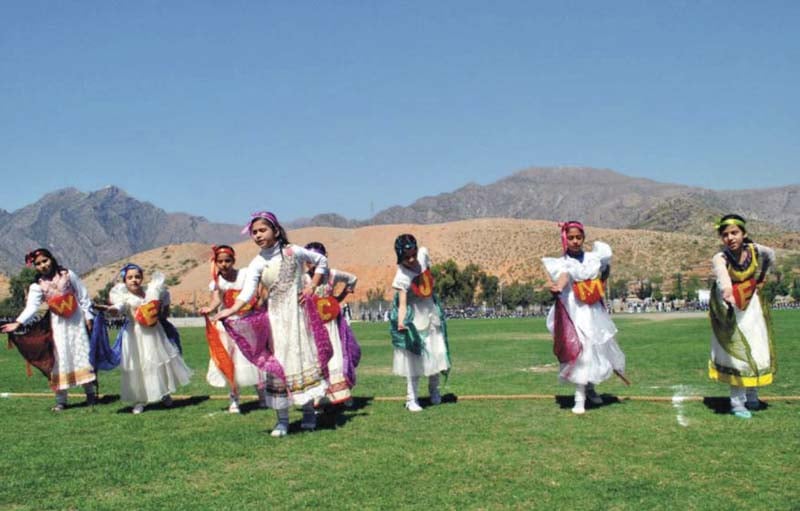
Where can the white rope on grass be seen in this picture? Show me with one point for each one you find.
(473, 397)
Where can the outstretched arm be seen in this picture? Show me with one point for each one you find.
(216, 301)
(560, 283)
(402, 306)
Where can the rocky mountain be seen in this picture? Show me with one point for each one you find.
(604, 198)
(86, 230)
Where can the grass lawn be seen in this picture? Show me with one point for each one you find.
(491, 453)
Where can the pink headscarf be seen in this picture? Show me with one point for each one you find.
(566, 226)
(264, 215)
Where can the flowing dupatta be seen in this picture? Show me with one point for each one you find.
(351, 351)
(253, 335)
(321, 338)
(36, 346)
(102, 356)
(172, 334)
(567, 346)
(220, 356)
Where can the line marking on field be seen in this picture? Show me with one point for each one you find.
(682, 392)
(677, 398)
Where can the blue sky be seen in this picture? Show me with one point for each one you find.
(222, 108)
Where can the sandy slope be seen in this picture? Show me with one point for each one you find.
(508, 248)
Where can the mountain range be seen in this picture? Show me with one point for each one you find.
(598, 197)
(88, 230)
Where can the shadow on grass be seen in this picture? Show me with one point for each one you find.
(722, 405)
(447, 399)
(106, 399)
(567, 402)
(337, 416)
(176, 403)
(245, 408)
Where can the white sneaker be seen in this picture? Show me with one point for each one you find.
(281, 429)
(436, 398)
(234, 407)
(579, 409)
(413, 406)
(137, 409)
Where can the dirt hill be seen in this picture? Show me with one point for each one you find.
(510, 249)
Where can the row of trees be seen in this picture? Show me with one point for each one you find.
(468, 286)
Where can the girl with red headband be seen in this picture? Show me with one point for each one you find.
(346, 351)
(742, 351)
(583, 333)
(228, 366)
(417, 324)
(67, 363)
(152, 367)
(299, 343)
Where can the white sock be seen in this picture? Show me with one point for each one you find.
(411, 391)
(738, 398)
(580, 394)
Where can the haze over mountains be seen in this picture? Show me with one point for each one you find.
(87, 230)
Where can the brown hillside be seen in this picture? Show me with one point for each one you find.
(508, 248)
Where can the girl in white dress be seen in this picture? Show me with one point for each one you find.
(583, 333)
(417, 323)
(742, 351)
(152, 367)
(228, 366)
(299, 341)
(346, 352)
(70, 323)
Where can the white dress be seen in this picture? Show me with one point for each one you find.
(245, 373)
(742, 352)
(294, 347)
(434, 357)
(600, 354)
(151, 366)
(71, 340)
(338, 390)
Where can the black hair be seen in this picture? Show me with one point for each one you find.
(402, 243)
(31, 256)
(733, 216)
(318, 247)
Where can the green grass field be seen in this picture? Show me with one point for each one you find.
(490, 453)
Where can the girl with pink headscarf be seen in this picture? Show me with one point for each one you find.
(583, 333)
(298, 345)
